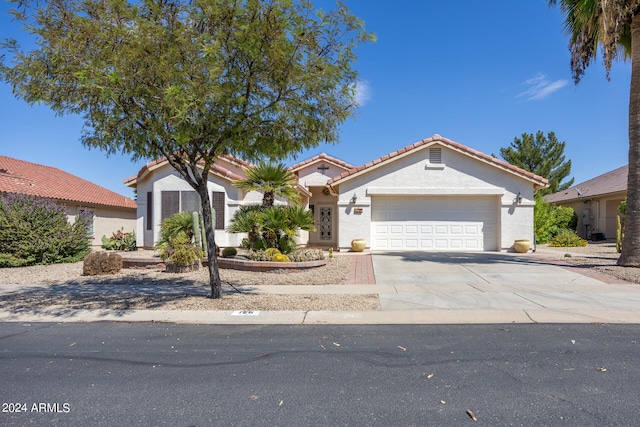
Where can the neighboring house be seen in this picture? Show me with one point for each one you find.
(111, 211)
(596, 202)
(435, 195)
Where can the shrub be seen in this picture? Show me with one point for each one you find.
(272, 252)
(180, 251)
(548, 219)
(175, 225)
(34, 230)
(566, 237)
(280, 258)
(260, 256)
(302, 255)
(229, 252)
(271, 227)
(98, 263)
(120, 241)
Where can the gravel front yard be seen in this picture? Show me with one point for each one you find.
(335, 272)
(600, 256)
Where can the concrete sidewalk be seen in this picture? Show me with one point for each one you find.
(413, 288)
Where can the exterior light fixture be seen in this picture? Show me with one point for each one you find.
(354, 198)
(518, 198)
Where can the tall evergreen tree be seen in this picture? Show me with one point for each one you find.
(543, 156)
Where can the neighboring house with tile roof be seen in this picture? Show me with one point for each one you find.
(111, 211)
(596, 202)
(436, 194)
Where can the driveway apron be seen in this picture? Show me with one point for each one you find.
(492, 281)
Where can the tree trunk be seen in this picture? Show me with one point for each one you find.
(268, 199)
(212, 259)
(630, 256)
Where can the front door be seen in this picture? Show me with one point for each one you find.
(324, 218)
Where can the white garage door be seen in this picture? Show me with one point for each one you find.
(438, 223)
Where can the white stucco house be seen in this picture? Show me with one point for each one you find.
(434, 195)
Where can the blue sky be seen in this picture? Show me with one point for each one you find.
(479, 73)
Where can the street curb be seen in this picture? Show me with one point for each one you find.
(415, 317)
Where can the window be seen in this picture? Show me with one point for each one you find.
(189, 201)
(170, 204)
(89, 213)
(178, 201)
(218, 204)
(181, 201)
(149, 210)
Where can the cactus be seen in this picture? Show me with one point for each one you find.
(619, 235)
(195, 224)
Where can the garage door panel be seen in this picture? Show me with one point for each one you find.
(434, 223)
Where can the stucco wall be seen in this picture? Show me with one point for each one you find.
(105, 220)
(458, 174)
(167, 179)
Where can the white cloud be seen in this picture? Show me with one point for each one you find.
(363, 92)
(539, 87)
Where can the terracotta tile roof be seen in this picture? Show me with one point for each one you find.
(538, 180)
(18, 176)
(608, 183)
(215, 168)
(321, 156)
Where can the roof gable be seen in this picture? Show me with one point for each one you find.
(611, 182)
(537, 180)
(18, 176)
(320, 158)
(232, 163)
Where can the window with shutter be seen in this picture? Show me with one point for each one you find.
(218, 204)
(189, 201)
(170, 204)
(149, 210)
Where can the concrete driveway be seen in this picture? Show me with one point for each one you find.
(496, 282)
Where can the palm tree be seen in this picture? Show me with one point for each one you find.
(271, 179)
(614, 26)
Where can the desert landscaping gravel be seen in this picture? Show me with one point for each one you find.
(335, 272)
(599, 256)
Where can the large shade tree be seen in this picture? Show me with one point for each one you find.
(191, 80)
(613, 28)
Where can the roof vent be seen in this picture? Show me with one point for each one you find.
(5, 171)
(435, 155)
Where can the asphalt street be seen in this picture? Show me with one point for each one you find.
(115, 374)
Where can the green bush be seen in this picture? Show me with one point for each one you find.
(302, 255)
(271, 227)
(229, 252)
(566, 238)
(272, 251)
(260, 255)
(34, 230)
(120, 241)
(548, 220)
(180, 251)
(280, 258)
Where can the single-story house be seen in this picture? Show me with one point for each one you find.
(111, 211)
(435, 195)
(596, 202)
